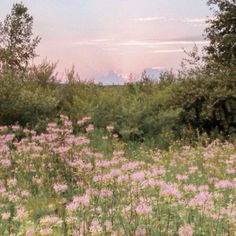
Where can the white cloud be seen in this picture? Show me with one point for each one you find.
(195, 20)
(168, 51)
(117, 46)
(157, 68)
(98, 41)
(198, 21)
(153, 44)
(144, 19)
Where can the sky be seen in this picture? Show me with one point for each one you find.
(115, 37)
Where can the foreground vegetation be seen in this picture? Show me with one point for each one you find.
(57, 183)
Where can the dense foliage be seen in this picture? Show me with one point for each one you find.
(222, 33)
(17, 47)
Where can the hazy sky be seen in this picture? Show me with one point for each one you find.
(123, 36)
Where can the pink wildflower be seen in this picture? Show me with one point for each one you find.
(186, 230)
(140, 231)
(108, 225)
(89, 128)
(60, 187)
(6, 215)
(46, 231)
(95, 227)
(143, 209)
(138, 176)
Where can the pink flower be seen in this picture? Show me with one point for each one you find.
(140, 232)
(108, 225)
(143, 209)
(201, 199)
(181, 177)
(30, 231)
(209, 154)
(106, 193)
(72, 206)
(186, 230)
(89, 128)
(60, 187)
(50, 220)
(6, 215)
(95, 227)
(190, 187)
(5, 162)
(21, 213)
(115, 172)
(84, 200)
(11, 182)
(138, 176)
(222, 184)
(46, 231)
(170, 190)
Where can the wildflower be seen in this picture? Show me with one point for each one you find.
(95, 227)
(186, 230)
(6, 215)
(46, 231)
(143, 209)
(108, 225)
(11, 182)
(60, 187)
(190, 187)
(209, 154)
(181, 177)
(223, 184)
(72, 206)
(30, 231)
(140, 231)
(21, 214)
(84, 200)
(89, 128)
(50, 220)
(201, 199)
(138, 176)
(5, 162)
(110, 128)
(170, 190)
(115, 172)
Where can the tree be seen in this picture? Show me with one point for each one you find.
(221, 33)
(17, 47)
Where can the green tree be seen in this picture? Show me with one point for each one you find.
(17, 45)
(221, 33)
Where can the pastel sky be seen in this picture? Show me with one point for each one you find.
(123, 36)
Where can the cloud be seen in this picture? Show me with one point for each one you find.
(195, 20)
(168, 51)
(98, 41)
(121, 47)
(198, 21)
(146, 19)
(153, 44)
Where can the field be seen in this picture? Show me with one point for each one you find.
(92, 183)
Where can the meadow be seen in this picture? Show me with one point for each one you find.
(93, 183)
(152, 157)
